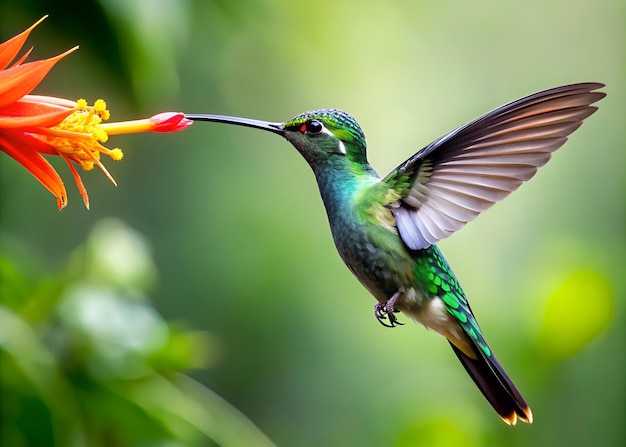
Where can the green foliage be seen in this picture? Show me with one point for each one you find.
(571, 321)
(88, 360)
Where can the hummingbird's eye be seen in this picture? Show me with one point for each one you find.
(314, 127)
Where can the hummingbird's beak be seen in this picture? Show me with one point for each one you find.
(263, 125)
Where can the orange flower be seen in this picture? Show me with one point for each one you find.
(31, 125)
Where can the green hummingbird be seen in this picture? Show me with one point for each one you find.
(385, 230)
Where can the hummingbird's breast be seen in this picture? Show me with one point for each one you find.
(378, 260)
(373, 252)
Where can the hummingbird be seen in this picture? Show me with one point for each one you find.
(386, 230)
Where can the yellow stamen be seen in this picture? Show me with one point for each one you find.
(100, 107)
(81, 134)
(117, 154)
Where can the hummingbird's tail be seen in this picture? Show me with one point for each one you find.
(496, 386)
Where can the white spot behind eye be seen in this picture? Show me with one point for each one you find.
(341, 146)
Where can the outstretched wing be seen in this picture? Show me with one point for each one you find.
(460, 175)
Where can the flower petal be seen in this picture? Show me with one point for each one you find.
(51, 100)
(79, 182)
(16, 82)
(10, 48)
(37, 166)
(32, 140)
(26, 113)
(22, 58)
(170, 122)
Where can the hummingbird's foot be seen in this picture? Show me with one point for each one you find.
(382, 311)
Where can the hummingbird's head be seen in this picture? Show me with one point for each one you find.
(324, 134)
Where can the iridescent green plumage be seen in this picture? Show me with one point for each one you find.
(386, 230)
(435, 275)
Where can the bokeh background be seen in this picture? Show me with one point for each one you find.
(202, 302)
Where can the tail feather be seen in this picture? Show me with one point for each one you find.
(496, 386)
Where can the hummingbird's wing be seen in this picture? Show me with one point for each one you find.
(458, 176)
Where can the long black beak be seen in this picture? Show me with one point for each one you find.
(256, 124)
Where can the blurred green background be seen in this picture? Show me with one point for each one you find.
(209, 275)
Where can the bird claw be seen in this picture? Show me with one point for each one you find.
(382, 311)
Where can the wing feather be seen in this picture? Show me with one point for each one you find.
(466, 171)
